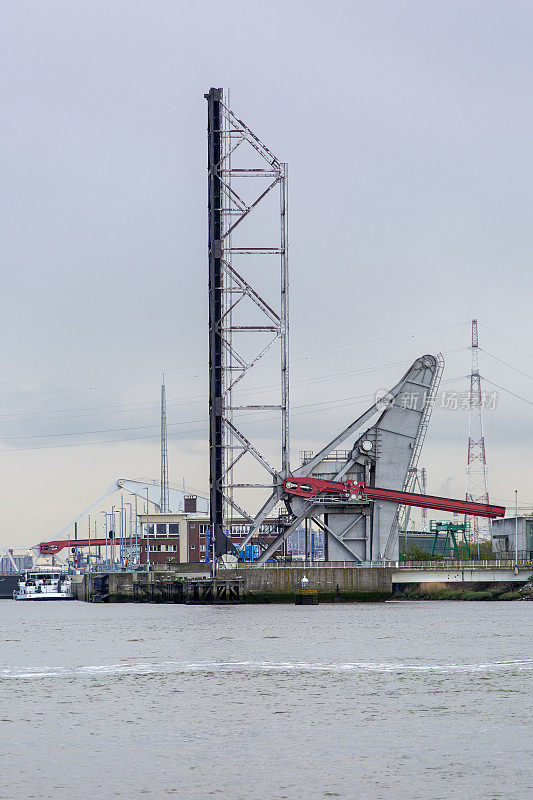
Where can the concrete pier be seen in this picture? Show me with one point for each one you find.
(157, 587)
(331, 583)
(248, 585)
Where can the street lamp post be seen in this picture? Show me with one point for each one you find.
(137, 553)
(147, 535)
(129, 537)
(121, 530)
(105, 535)
(379, 532)
(516, 524)
(89, 521)
(113, 537)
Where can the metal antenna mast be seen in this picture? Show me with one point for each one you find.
(423, 489)
(248, 312)
(164, 450)
(476, 465)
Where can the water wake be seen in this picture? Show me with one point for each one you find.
(185, 668)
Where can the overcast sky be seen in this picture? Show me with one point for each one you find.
(407, 129)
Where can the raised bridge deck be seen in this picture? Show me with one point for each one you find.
(462, 572)
(466, 570)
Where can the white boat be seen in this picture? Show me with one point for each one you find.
(39, 584)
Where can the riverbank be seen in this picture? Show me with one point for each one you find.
(477, 591)
(284, 584)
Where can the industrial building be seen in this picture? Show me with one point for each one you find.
(167, 539)
(11, 564)
(184, 538)
(504, 534)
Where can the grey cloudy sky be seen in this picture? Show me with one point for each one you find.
(407, 129)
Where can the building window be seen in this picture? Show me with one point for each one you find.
(202, 548)
(174, 529)
(155, 548)
(161, 529)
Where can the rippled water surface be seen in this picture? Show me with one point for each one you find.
(395, 701)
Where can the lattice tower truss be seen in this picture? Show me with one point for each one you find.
(476, 464)
(248, 315)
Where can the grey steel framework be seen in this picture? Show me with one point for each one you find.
(164, 451)
(244, 325)
(412, 473)
(384, 454)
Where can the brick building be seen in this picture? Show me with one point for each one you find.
(184, 537)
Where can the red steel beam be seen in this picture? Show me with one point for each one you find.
(50, 548)
(356, 490)
(439, 503)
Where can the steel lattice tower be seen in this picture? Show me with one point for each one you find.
(476, 465)
(248, 311)
(164, 451)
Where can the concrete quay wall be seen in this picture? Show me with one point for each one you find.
(264, 584)
(260, 585)
(282, 584)
(117, 587)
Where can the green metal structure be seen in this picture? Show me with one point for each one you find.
(453, 531)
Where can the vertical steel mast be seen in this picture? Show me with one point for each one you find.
(476, 464)
(248, 314)
(164, 451)
(214, 133)
(423, 489)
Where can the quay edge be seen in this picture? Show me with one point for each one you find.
(276, 585)
(280, 584)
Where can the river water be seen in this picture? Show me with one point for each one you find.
(392, 701)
